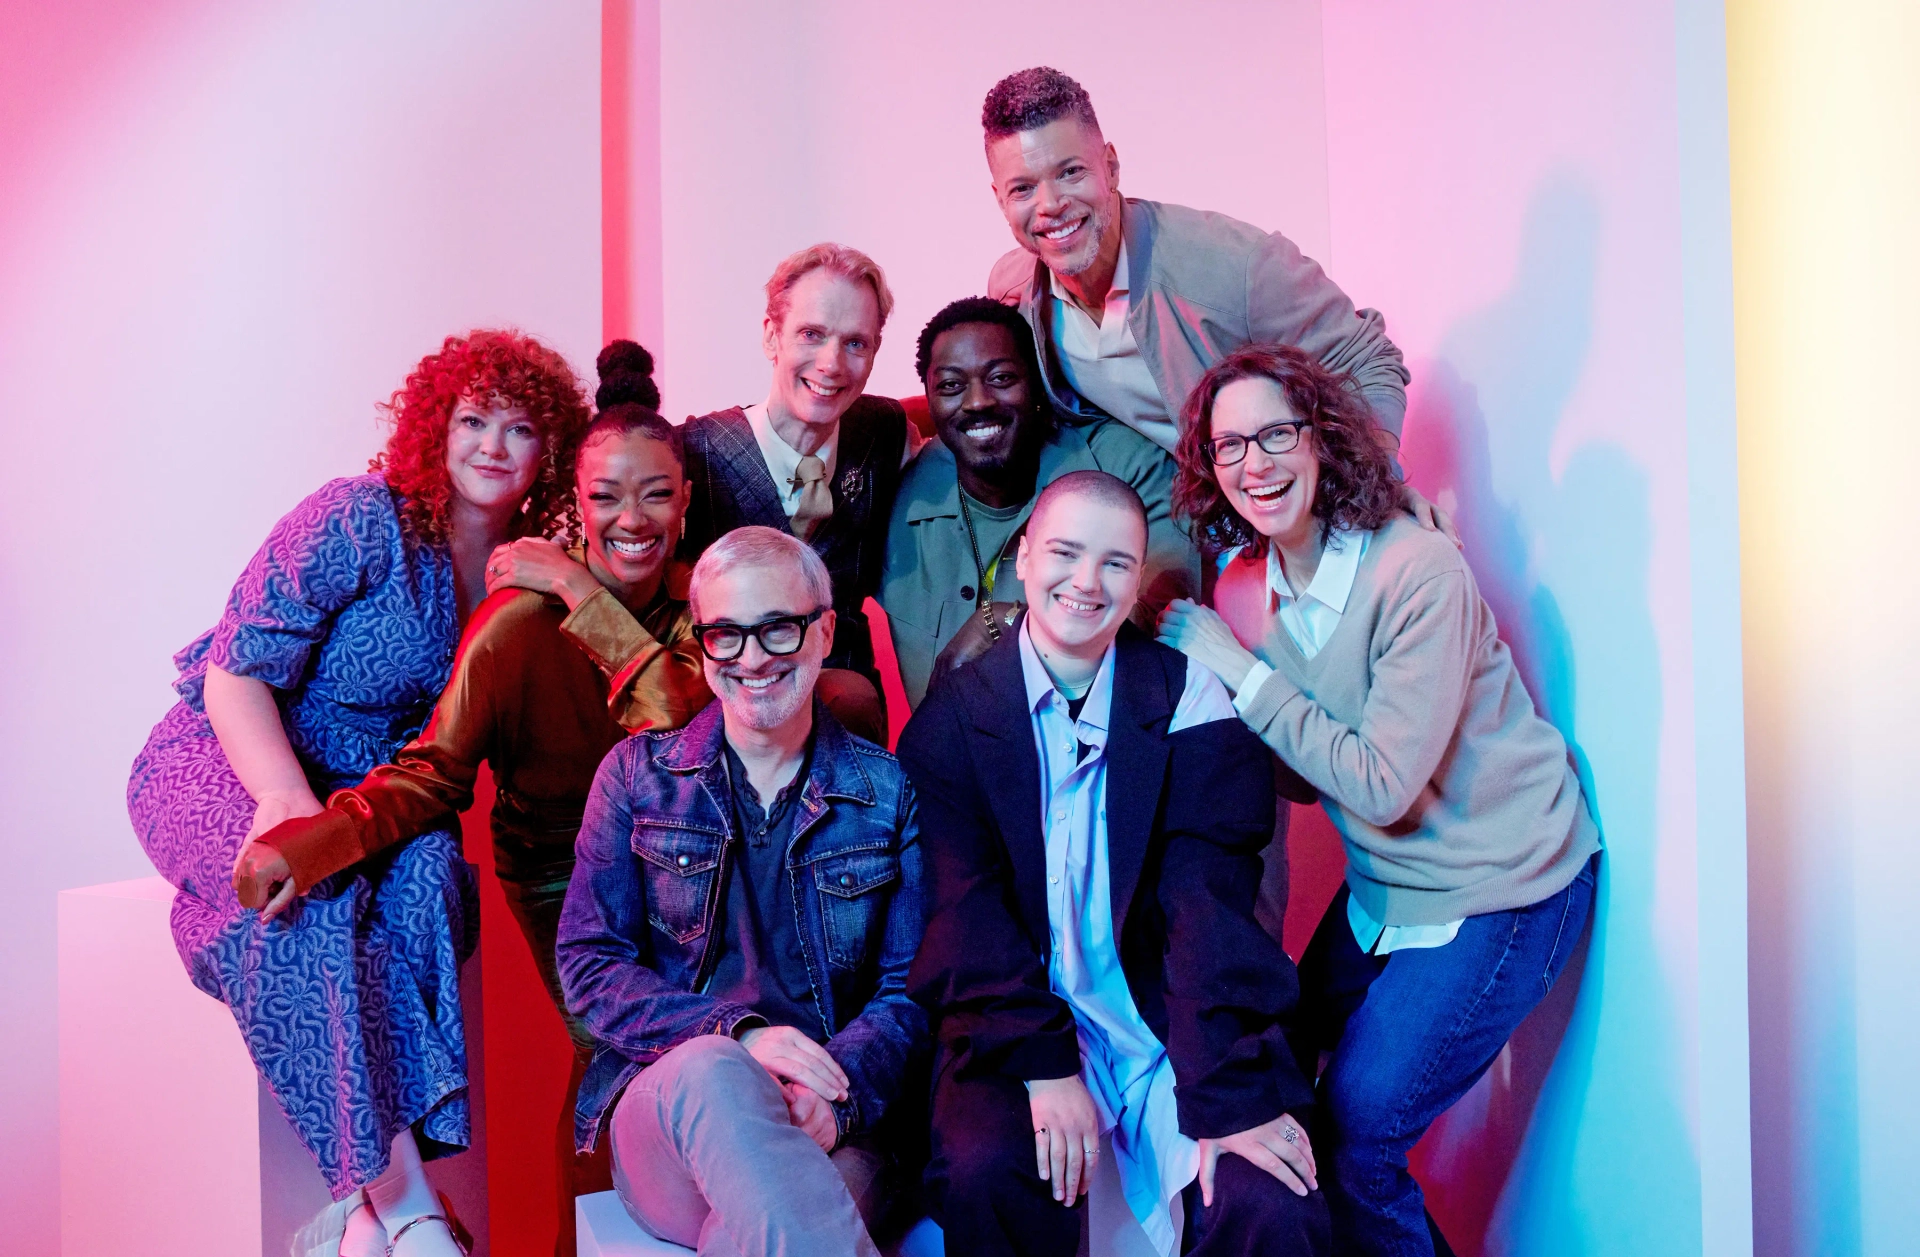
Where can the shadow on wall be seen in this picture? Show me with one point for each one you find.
(1562, 560)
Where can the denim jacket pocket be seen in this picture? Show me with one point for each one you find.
(853, 903)
(680, 866)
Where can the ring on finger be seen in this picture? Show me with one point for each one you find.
(1290, 1133)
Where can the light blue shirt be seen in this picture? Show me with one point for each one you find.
(1123, 1064)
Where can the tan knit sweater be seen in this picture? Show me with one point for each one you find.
(1453, 797)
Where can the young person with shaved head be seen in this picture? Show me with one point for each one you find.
(1093, 816)
(948, 585)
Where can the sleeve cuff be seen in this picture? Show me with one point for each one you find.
(1259, 704)
(846, 1120)
(1250, 686)
(315, 847)
(743, 1020)
(606, 630)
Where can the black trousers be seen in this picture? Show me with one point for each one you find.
(988, 1197)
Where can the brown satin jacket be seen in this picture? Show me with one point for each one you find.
(538, 693)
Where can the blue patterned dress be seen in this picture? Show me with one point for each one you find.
(350, 1001)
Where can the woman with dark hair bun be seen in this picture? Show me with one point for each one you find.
(335, 642)
(627, 398)
(573, 650)
(1359, 648)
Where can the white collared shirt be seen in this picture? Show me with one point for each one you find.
(1102, 361)
(1310, 617)
(783, 460)
(1124, 1065)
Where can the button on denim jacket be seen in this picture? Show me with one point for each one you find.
(639, 930)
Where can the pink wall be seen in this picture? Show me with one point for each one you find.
(630, 171)
(1536, 196)
(225, 232)
(860, 122)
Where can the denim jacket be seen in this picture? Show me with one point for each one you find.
(638, 930)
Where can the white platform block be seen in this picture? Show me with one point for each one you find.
(170, 1145)
(169, 1142)
(166, 1140)
(604, 1230)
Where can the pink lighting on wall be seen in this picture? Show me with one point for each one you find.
(225, 230)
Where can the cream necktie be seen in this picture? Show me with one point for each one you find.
(816, 499)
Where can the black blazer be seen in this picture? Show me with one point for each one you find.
(1187, 816)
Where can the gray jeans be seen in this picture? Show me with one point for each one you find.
(705, 1156)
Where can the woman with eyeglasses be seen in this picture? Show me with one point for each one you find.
(1358, 646)
(573, 649)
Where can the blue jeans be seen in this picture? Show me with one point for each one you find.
(704, 1155)
(1411, 1033)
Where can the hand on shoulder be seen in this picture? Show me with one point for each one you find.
(542, 566)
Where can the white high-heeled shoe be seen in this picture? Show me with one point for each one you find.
(462, 1240)
(423, 1220)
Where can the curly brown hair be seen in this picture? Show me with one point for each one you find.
(1358, 489)
(485, 365)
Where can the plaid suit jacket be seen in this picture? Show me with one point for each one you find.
(732, 487)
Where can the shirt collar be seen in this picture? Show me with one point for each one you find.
(832, 762)
(1120, 286)
(782, 459)
(770, 810)
(1332, 582)
(1040, 684)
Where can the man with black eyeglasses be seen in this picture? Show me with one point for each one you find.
(745, 902)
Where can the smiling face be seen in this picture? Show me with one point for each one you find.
(633, 496)
(1272, 492)
(493, 455)
(762, 691)
(822, 350)
(981, 400)
(1058, 186)
(1081, 561)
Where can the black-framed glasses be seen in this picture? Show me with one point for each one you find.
(722, 642)
(1275, 438)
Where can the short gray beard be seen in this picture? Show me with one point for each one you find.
(1098, 222)
(757, 715)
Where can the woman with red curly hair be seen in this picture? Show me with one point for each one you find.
(335, 643)
(1360, 650)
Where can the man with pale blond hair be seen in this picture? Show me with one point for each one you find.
(817, 459)
(745, 901)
